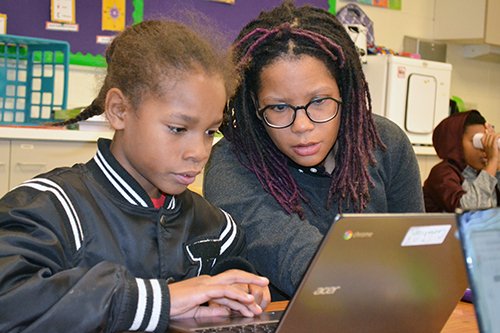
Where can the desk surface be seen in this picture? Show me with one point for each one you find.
(463, 318)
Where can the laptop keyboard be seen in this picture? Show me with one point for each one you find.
(262, 328)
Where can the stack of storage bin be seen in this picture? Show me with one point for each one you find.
(33, 79)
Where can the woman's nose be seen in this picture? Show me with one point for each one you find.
(302, 123)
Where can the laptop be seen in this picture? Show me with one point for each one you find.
(480, 238)
(371, 273)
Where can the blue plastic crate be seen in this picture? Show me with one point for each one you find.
(33, 79)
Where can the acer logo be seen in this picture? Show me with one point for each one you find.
(325, 290)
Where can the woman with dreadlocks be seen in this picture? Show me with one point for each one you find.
(301, 144)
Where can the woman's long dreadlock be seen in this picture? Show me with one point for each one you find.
(290, 31)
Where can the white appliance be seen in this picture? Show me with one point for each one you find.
(413, 93)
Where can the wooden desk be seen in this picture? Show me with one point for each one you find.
(463, 318)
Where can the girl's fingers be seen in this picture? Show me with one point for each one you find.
(237, 276)
(205, 311)
(227, 291)
(246, 310)
(262, 296)
(187, 296)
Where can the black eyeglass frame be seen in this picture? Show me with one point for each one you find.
(260, 112)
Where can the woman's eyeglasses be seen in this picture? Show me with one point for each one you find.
(318, 110)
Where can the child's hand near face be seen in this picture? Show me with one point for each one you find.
(225, 289)
(490, 147)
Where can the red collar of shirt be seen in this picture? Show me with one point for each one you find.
(159, 202)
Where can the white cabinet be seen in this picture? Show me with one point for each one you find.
(25, 159)
(467, 21)
(4, 165)
(414, 93)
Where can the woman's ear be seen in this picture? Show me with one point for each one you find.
(116, 107)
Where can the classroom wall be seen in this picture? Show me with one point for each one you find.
(231, 18)
(476, 82)
(84, 82)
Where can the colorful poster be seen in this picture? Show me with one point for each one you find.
(113, 15)
(381, 3)
(3, 24)
(395, 4)
(62, 11)
(392, 4)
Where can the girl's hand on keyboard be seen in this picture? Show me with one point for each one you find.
(262, 295)
(187, 297)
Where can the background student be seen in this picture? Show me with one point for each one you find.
(118, 243)
(467, 177)
(301, 143)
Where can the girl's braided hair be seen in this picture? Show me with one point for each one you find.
(288, 32)
(147, 57)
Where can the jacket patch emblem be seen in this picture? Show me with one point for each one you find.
(205, 253)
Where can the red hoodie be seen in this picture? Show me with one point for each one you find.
(443, 188)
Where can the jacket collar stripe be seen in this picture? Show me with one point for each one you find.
(65, 202)
(230, 228)
(171, 204)
(141, 305)
(113, 182)
(121, 186)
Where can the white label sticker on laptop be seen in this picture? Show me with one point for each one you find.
(427, 235)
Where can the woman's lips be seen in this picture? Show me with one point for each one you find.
(306, 149)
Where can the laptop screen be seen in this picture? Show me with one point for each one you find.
(480, 237)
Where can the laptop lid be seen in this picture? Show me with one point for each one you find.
(381, 273)
(377, 273)
(480, 237)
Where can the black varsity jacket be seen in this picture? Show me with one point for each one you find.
(83, 249)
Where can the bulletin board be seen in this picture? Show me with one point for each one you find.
(29, 17)
(230, 17)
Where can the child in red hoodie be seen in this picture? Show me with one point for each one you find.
(468, 177)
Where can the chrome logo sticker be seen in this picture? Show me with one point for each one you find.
(348, 235)
(357, 234)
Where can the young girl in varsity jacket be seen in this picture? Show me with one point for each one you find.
(119, 243)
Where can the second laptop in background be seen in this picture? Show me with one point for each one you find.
(480, 237)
